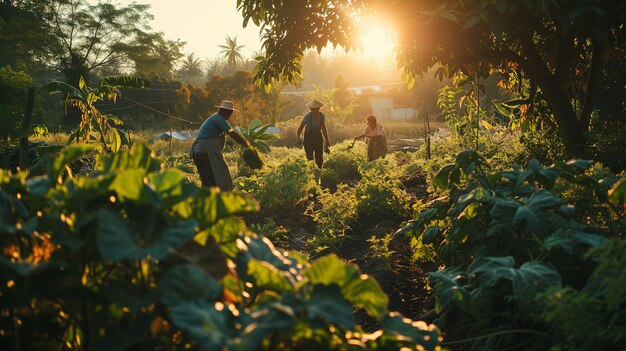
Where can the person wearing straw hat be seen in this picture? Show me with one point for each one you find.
(207, 148)
(375, 138)
(315, 133)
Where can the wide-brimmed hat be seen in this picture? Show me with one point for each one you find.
(314, 104)
(226, 105)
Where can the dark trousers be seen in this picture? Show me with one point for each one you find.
(314, 147)
(204, 169)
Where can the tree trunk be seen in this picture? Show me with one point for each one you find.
(28, 113)
(555, 93)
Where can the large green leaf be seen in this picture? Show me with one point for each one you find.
(56, 166)
(487, 270)
(328, 303)
(187, 283)
(124, 81)
(139, 157)
(573, 241)
(117, 240)
(277, 318)
(265, 276)
(69, 91)
(211, 205)
(262, 250)
(534, 216)
(210, 327)
(225, 232)
(447, 288)
(170, 187)
(357, 288)
(366, 293)
(330, 269)
(531, 276)
(617, 194)
(442, 178)
(425, 336)
(124, 294)
(129, 185)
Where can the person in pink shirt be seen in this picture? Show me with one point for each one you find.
(376, 139)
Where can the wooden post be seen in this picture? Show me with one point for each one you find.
(426, 131)
(171, 136)
(427, 137)
(28, 113)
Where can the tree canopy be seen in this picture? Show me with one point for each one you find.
(557, 46)
(78, 39)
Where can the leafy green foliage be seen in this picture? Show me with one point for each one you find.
(94, 126)
(478, 38)
(133, 257)
(341, 167)
(335, 213)
(256, 134)
(379, 192)
(506, 238)
(280, 186)
(591, 317)
(14, 87)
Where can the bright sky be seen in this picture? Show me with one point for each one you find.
(204, 25)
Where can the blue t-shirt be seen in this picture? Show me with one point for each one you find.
(313, 123)
(212, 127)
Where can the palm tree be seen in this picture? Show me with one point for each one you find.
(191, 70)
(214, 66)
(231, 52)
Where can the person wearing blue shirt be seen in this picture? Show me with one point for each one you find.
(206, 151)
(314, 125)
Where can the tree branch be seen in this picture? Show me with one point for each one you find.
(593, 82)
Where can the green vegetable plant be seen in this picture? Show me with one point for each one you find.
(335, 213)
(256, 134)
(379, 193)
(280, 186)
(134, 257)
(507, 238)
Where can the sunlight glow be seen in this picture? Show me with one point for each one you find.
(377, 42)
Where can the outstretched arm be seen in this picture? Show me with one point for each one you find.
(240, 139)
(325, 133)
(299, 132)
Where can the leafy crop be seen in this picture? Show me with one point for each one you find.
(335, 213)
(379, 193)
(134, 257)
(280, 186)
(507, 238)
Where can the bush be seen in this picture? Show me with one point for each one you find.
(14, 87)
(592, 318)
(379, 193)
(335, 213)
(341, 166)
(132, 257)
(280, 186)
(507, 238)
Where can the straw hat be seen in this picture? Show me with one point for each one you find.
(226, 105)
(314, 104)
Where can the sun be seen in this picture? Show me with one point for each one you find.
(377, 42)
